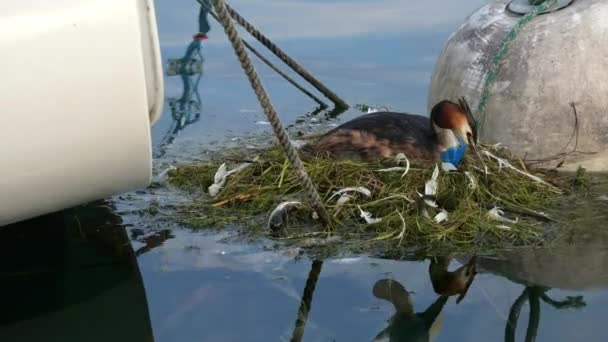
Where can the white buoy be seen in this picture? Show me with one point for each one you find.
(556, 58)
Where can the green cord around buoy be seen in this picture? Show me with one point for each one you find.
(500, 55)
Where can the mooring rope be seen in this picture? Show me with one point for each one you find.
(206, 6)
(306, 301)
(284, 75)
(271, 114)
(500, 55)
(286, 59)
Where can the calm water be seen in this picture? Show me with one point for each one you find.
(122, 270)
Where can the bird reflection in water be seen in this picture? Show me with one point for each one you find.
(408, 325)
(452, 283)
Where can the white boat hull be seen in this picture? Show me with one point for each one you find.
(82, 85)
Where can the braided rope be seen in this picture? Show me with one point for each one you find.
(306, 301)
(500, 55)
(271, 114)
(284, 75)
(323, 105)
(286, 59)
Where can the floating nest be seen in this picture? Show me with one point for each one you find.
(391, 203)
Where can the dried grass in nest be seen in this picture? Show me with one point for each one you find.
(249, 195)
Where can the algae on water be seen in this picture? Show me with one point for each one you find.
(486, 204)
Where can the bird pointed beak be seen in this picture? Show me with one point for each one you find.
(473, 146)
(470, 141)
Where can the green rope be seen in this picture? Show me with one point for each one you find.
(500, 55)
(292, 154)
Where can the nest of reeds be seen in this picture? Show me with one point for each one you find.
(494, 202)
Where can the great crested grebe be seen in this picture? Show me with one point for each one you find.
(451, 283)
(442, 137)
(406, 324)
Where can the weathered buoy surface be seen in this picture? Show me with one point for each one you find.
(576, 267)
(553, 60)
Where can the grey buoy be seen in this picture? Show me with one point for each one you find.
(558, 57)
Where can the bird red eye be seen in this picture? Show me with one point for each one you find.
(471, 137)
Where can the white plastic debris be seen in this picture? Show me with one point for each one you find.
(448, 167)
(371, 110)
(472, 180)
(163, 174)
(441, 216)
(345, 197)
(497, 214)
(221, 175)
(502, 162)
(430, 188)
(402, 233)
(431, 203)
(218, 180)
(399, 158)
(503, 227)
(342, 200)
(360, 189)
(278, 216)
(395, 168)
(428, 201)
(284, 205)
(367, 216)
(262, 122)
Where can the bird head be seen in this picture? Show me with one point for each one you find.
(456, 130)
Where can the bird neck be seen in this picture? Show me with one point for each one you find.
(451, 147)
(447, 139)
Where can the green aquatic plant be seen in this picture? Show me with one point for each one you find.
(393, 203)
